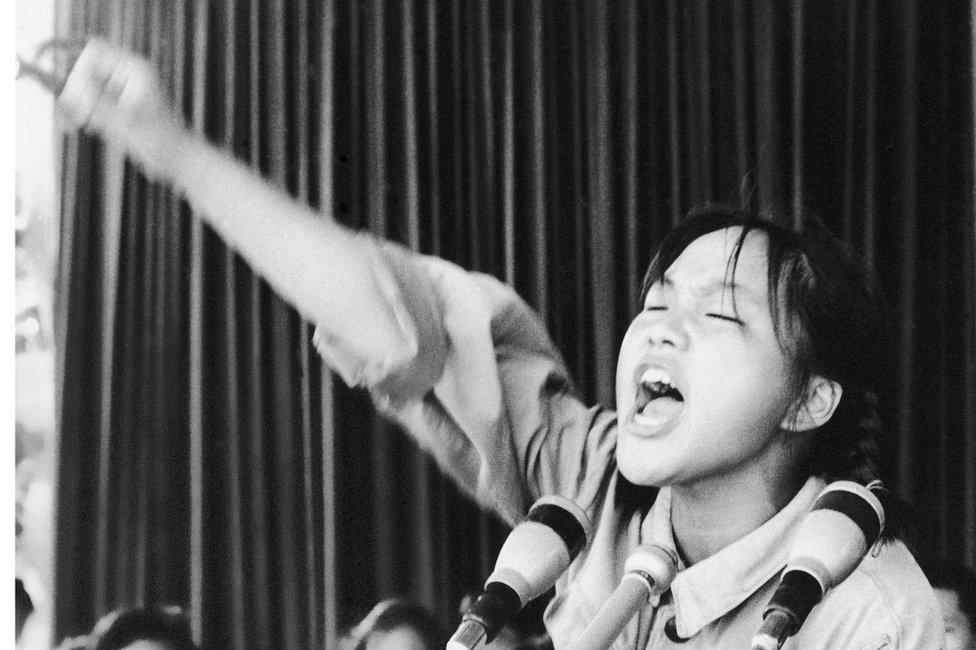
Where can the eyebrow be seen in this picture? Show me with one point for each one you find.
(717, 285)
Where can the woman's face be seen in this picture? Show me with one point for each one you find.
(702, 382)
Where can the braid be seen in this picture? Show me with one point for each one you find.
(843, 337)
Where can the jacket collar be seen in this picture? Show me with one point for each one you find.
(718, 584)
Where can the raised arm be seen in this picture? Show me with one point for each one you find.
(323, 269)
(457, 358)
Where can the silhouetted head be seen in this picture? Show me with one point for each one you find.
(143, 628)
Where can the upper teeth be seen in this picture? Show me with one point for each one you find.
(653, 376)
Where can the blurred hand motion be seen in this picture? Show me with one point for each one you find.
(65, 50)
(115, 94)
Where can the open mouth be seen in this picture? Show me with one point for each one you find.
(657, 399)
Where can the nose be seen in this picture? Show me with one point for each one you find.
(666, 329)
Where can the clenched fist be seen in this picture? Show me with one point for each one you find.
(117, 95)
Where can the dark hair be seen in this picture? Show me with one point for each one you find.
(826, 320)
(394, 613)
(945, 574)
(123, 627)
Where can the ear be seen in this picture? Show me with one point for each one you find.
(815, 406)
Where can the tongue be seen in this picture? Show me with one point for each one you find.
(661, 407)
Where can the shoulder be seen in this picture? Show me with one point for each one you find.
(885, 603)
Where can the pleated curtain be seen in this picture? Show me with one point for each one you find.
(207, 458)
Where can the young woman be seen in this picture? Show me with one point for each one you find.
(742, 386)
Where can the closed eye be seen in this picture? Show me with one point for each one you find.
(730, 319)
(655, 308)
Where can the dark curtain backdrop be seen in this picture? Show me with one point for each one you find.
(207, 458)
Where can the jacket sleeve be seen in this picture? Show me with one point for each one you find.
(480, 386)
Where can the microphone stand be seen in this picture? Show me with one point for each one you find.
(648, 571)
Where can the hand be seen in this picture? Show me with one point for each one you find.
(116, 94)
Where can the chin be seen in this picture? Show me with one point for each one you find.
(635, 470)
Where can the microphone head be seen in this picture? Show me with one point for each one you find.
(655, 564)
(541, 548)
(534, 555)
(845, 521)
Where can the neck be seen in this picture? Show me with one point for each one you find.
(710, 514)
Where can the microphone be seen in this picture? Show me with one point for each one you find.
(833, 538)
(648, 571)
(534, 555)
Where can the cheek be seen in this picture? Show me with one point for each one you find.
(745, 377)
(625, 369)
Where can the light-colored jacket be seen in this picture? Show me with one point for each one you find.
(504, 421)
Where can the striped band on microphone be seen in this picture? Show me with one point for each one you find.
(856, 508)
(563, 522)
(798, 593)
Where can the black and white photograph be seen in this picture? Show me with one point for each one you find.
(504, 324)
